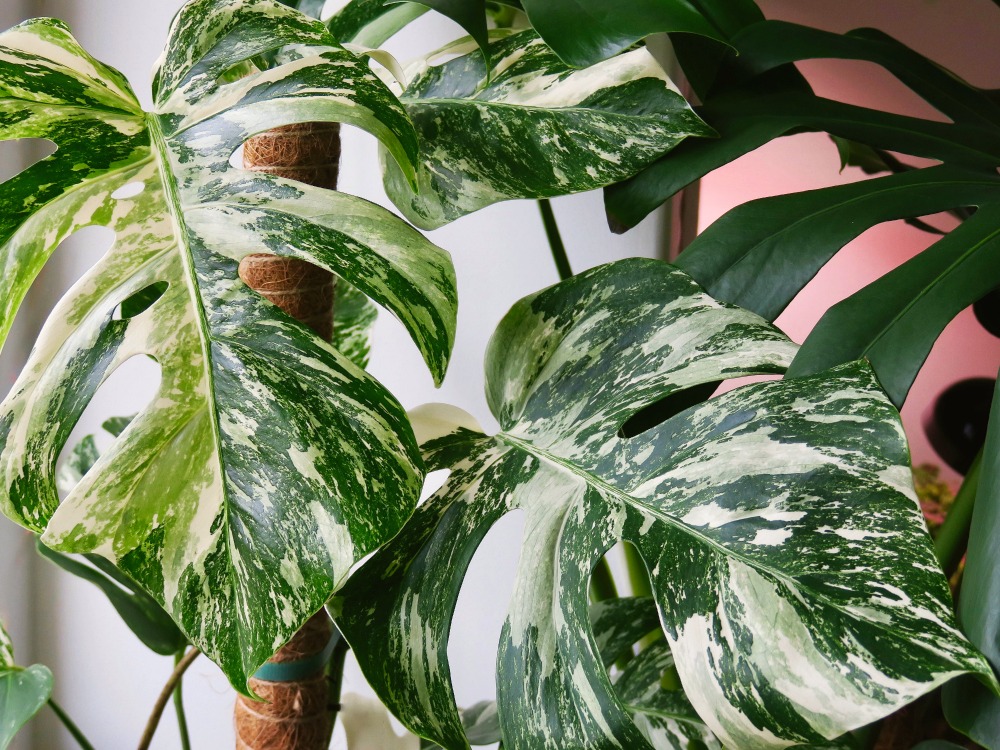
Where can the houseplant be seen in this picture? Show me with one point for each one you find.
(539, 338)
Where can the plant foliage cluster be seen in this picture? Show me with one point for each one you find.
(787, 591)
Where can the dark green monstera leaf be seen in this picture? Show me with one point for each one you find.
(23, 691)
(794, 577)
(535, 129)
(268, 462)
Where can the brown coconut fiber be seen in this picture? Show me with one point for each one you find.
(292, 715)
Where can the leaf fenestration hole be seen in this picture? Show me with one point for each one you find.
(660, 411)
(129, 389)
(482, 608)
(140, 301)
(433, 482)
(19, 155)
(129, 190)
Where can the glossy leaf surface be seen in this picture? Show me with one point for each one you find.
(268, 462)
(536, 129)
(777, 520)
(583, 32)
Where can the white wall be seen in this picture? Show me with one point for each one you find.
(104, 678)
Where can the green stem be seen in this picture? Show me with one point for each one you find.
(72, 728)
(953, 536)
(637, 575)
(182, 724)
(602, 583)
(336, 675)
(555, 240)
(164, 697)
(638, 578)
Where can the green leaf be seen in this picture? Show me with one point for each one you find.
(748, 119)
(968, 705)
(777, 520)
(749, 113)
(140, 612)
(23, 692)
(268, 463)
(583, 32)
(536, 129)
(116, 425)
(762, 253)
(854, 154)
(370, 23)
(894, 321)
(481, 723)
(770, 44)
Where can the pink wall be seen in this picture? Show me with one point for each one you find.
(964, 36)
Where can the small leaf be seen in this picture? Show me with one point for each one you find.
(116, 425)
(80, 460)
(353, 321)
(23, 691)
(666, 717)
(620, 623)
(481, 723)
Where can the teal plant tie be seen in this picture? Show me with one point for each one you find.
(293, 671)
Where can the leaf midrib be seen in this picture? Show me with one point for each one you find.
(575, 108)
(591, 479)
(627, 499)
(173, 205)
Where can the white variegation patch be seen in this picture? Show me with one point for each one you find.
(791, 569)
(268, 463)
(535, 128)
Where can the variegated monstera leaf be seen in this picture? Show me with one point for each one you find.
(535, 129)
(793, 575)
(267, 463)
